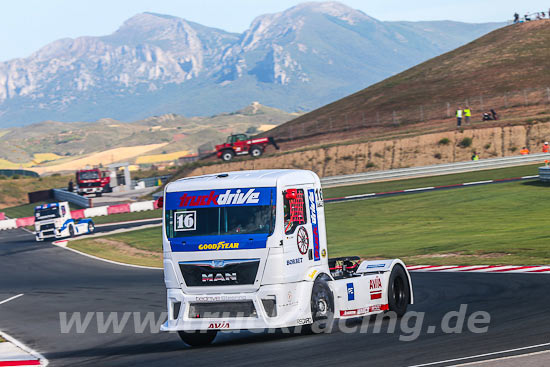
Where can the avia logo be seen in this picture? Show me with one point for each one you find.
(219, 325)
(375, 283)
(228, 198)
(219, 277)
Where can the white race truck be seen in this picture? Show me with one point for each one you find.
(54, 220)
(248, 250)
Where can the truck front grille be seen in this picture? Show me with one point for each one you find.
(90, 184)
(219, 272)
(218, 310)
(45, 227)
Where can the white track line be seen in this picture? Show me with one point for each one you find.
(419, 189)
(476, 183)
(108, 261)
(11, 299)
(44, 362)
(502, 359)
(481, 355)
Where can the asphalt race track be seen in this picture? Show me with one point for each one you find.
(55, 280)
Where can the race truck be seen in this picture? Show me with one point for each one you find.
(54, 221)
(92, 181)
(248, 250)
(240, 144)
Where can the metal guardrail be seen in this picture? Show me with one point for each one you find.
(153, 181)
(438, 169)
(544, 174)
(71, 197)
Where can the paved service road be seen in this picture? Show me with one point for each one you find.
(55, 280)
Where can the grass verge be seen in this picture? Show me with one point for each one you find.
(140, 247)
(2, 340)
(124, 217)
(27, 210)
(495, 224)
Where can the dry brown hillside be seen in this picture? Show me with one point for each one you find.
(507, 69)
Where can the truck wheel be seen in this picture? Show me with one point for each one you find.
(71, 231)
(322, 306)
(91, 227)
(256, 151)
(398, 291)
(228, 155)
(197, 338)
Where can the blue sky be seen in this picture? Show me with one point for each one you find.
(26, 25)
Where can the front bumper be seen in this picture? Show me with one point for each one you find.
(292, 305)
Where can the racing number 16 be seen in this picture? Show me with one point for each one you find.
(186, 221)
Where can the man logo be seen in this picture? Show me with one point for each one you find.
(228, 277)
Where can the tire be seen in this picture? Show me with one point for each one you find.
(98, 194)
(198, 338)
(91, 227)
(256, 151)
(399, 295)
(322, 306)
(71, 231)
(227, 155)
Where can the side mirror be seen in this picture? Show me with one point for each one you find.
(159, 203)
(291, 194)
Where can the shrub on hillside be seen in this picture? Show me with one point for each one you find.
(444, 141)
(465, 143)
(437, 155)
(370, 165)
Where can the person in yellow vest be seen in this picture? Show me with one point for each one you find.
(524, 151)
(467, 115)
(475, 157)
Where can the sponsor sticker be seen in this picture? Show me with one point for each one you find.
(314, 224)
(351, 292)
(373, 266)
(219, 246)
(294, 261)
(215, 198)
(306, 321)
(219, 325)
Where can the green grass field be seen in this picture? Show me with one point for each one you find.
(457, 178)
(504, 223)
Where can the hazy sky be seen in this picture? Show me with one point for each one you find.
(26, 25)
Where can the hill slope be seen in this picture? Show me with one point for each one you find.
(505, 68)
(154, 64)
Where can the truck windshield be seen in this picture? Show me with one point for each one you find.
(220, 221)
(88, 175)
(46, 213)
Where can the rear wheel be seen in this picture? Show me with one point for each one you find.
(198, 338)
(71, 231)
(398, 291)
(256, 151)
(322, 306)
(227, 155)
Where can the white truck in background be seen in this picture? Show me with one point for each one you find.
(53, 220)
(248, 250)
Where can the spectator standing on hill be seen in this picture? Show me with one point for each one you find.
(467, 115)
(459, 116)
(545, 147)
(71, 186)
(516, 17)
(524, 151)
(475, 156)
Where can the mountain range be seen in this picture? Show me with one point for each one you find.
(295, 60)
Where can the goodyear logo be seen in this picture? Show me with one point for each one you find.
(219, 246)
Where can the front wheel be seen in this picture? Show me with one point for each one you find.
(91, 227)
(227, 155)
(399, 295)
(322, 306)
(198, 338)
(71, 231)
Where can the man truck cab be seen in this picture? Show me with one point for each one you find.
(53, 220)
(248, 250)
